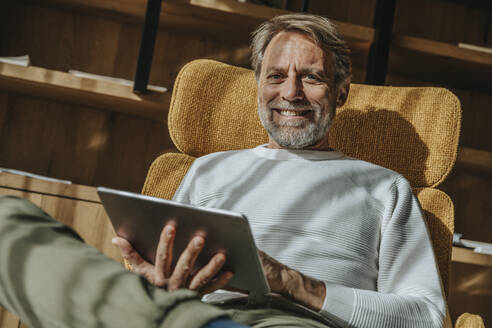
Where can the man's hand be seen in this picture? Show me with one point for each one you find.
(288, 282)
(181, 276)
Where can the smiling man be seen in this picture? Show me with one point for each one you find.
(343, 239)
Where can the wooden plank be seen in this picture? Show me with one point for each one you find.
(65, 87)
(30, 31)
(471, 192)
(81, 138)
(441, 49)
(244, 15)
(33, 197)
(464, 255)
(430, 61)
(28, 135)
(20, 184)
(7, 319)
(445, 21)
(96, 38)
(471, 291)
(358, 12)
(213, 16)
(4, 98)
(88, 219)
(125, 162)
(475, 159)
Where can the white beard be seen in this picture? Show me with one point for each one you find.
(296, 134)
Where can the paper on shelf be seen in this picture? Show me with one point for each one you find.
(32, 175)
(475, 48)
(19, 60)
(478, 246)
(113, 79)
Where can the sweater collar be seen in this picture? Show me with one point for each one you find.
(295, 154)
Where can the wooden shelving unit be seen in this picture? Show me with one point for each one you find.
(222, 18)
(24, 183)
(437, 61)
(464, 255)
(66, 87)
(475, 159)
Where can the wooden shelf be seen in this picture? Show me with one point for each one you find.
(24, 183)
(219, 18)
(437, 62)
(475, 159)
(68, 88)
(465, 255)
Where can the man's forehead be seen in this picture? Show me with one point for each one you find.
(299, 43)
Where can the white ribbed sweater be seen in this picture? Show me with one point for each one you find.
(354, 225)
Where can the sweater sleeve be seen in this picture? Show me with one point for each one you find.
(409, 291)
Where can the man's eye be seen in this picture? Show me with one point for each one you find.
(312, 77)
(274, 76)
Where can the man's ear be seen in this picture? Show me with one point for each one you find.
(342, 92)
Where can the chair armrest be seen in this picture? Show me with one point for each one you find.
(468, 320)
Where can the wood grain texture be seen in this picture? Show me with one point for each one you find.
(444, 21)
(471, 291)
(80, 144)
(131, 147)
(61, 86)
(465, 255)
(7, 319)
(4, 98)
(33, 185)
(429, 60)
(474, 159)
(471, 192)
(36, 29)
(95, 38)
(360, 12)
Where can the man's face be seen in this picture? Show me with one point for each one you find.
(296, 92)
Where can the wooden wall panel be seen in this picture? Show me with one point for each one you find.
(360, 12)
(84, 145)
(132, 145)
(442, 21)
(29, 135)
(34, 30)
(7, 319)
(477, 118)
(79, 145)
(96, 44)
(471, 291)
(4, 98)
(471, 193)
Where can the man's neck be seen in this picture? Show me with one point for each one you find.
(321, 145)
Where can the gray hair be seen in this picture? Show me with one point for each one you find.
(320, 29)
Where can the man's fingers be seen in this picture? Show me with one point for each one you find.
(164, 254)
(185, 263)
(138, 264)
(207, 272)
(219, 283)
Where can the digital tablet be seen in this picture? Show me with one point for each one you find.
(140, 219)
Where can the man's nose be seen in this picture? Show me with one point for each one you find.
(292, 89)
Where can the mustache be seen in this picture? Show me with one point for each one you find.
(301, 104)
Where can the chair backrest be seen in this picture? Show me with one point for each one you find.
(411, 130)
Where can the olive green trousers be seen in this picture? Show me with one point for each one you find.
(50, 278)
